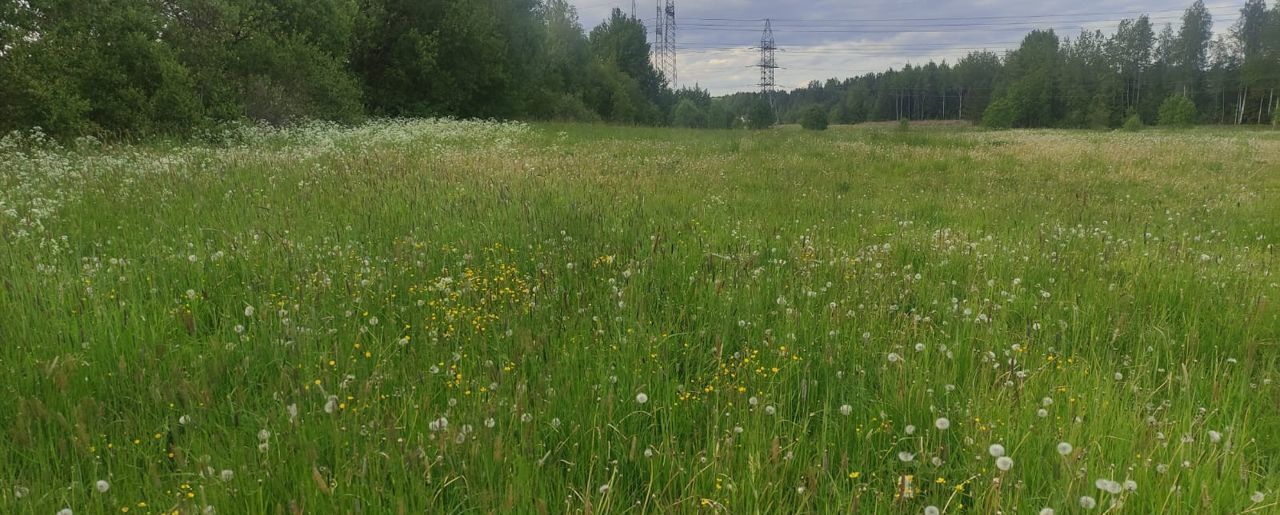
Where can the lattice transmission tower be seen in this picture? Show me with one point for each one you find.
(768, 63)
(664, 40)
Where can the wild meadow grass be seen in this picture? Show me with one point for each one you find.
(438, 316)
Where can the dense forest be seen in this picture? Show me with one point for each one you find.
(172, 67)
(1091, 80)
(138, 68)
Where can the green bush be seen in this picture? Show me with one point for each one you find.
(1178, 111)
(814, 119)
(1001, 114)
(904, 124)
(1133, 123)
(760, 115)
(688, 115)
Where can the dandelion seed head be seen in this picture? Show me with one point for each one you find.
(102, 486)
(1088, 503)
(846, 410)
(1065, 448)
(641, 398)
(1004, 463)
(942, 424)
(996, 450)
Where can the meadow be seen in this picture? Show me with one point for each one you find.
(438, 316)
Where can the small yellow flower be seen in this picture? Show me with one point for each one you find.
(855, 475)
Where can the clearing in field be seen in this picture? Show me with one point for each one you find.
(448, 317)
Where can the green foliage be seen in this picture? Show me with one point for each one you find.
(1178, 111)
(1001, 114)
(760, 114)
(1133, 123)
(904, 125)
(689, 115)
(814, 119)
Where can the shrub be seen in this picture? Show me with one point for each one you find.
(814, 119)
(1001, 114)
(1133, 123)
(760, 115)
(688, 115)
(1178, 111)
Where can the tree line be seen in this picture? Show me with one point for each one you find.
(1092, 80)
(147, 67)
(171, 67)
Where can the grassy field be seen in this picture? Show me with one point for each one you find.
(449, 317)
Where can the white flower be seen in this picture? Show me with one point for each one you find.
(1107, 485)
(641, 398)
(1088, 503)
(942, 423)
(1119, 376)
(1047, 401)
(292, 410)
(227, 475)
(1131, 485)
(910, 430)
(1215, 436)
(439, 424)
(920, 348)
(1065, 448)
(192, 258)
(604, 489)
(770, 410)
(846, 410)
(1257, 497)
(526, 417)
(264, 435)
(102, 485)
(906, 456)
(248, 311)
(894, 357)
(490, 422)
(331, 404)
(931, 510)
(1042, 413)
(753, 401)
(183, 420)
(996, 450)
(1004, 463)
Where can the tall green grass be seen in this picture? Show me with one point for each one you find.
(442, 317)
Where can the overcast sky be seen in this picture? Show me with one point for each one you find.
(821, 39)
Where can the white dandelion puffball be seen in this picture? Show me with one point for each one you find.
(910, 429)
(1047, 401)
(1088, 503)
(227, 475)
(996, 450)
(753, 401)
(906, 456)
(1042, 413)
(1004, 463)
(331, 404)
(1046, 511)
(264, 435)
(604, 489)
(942, 423)
(1107, 485)
(490, 422)
(1131, 485)
(641, 398)
(64, 511)
(920, 348)
(102, 486)
(770, 410)
(894, 357)
(1257, 497)
(1065, 448)
(1215, 436)
(931, 510)
(248, 311)
(846, 410)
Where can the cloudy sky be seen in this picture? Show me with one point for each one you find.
(821, 39)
